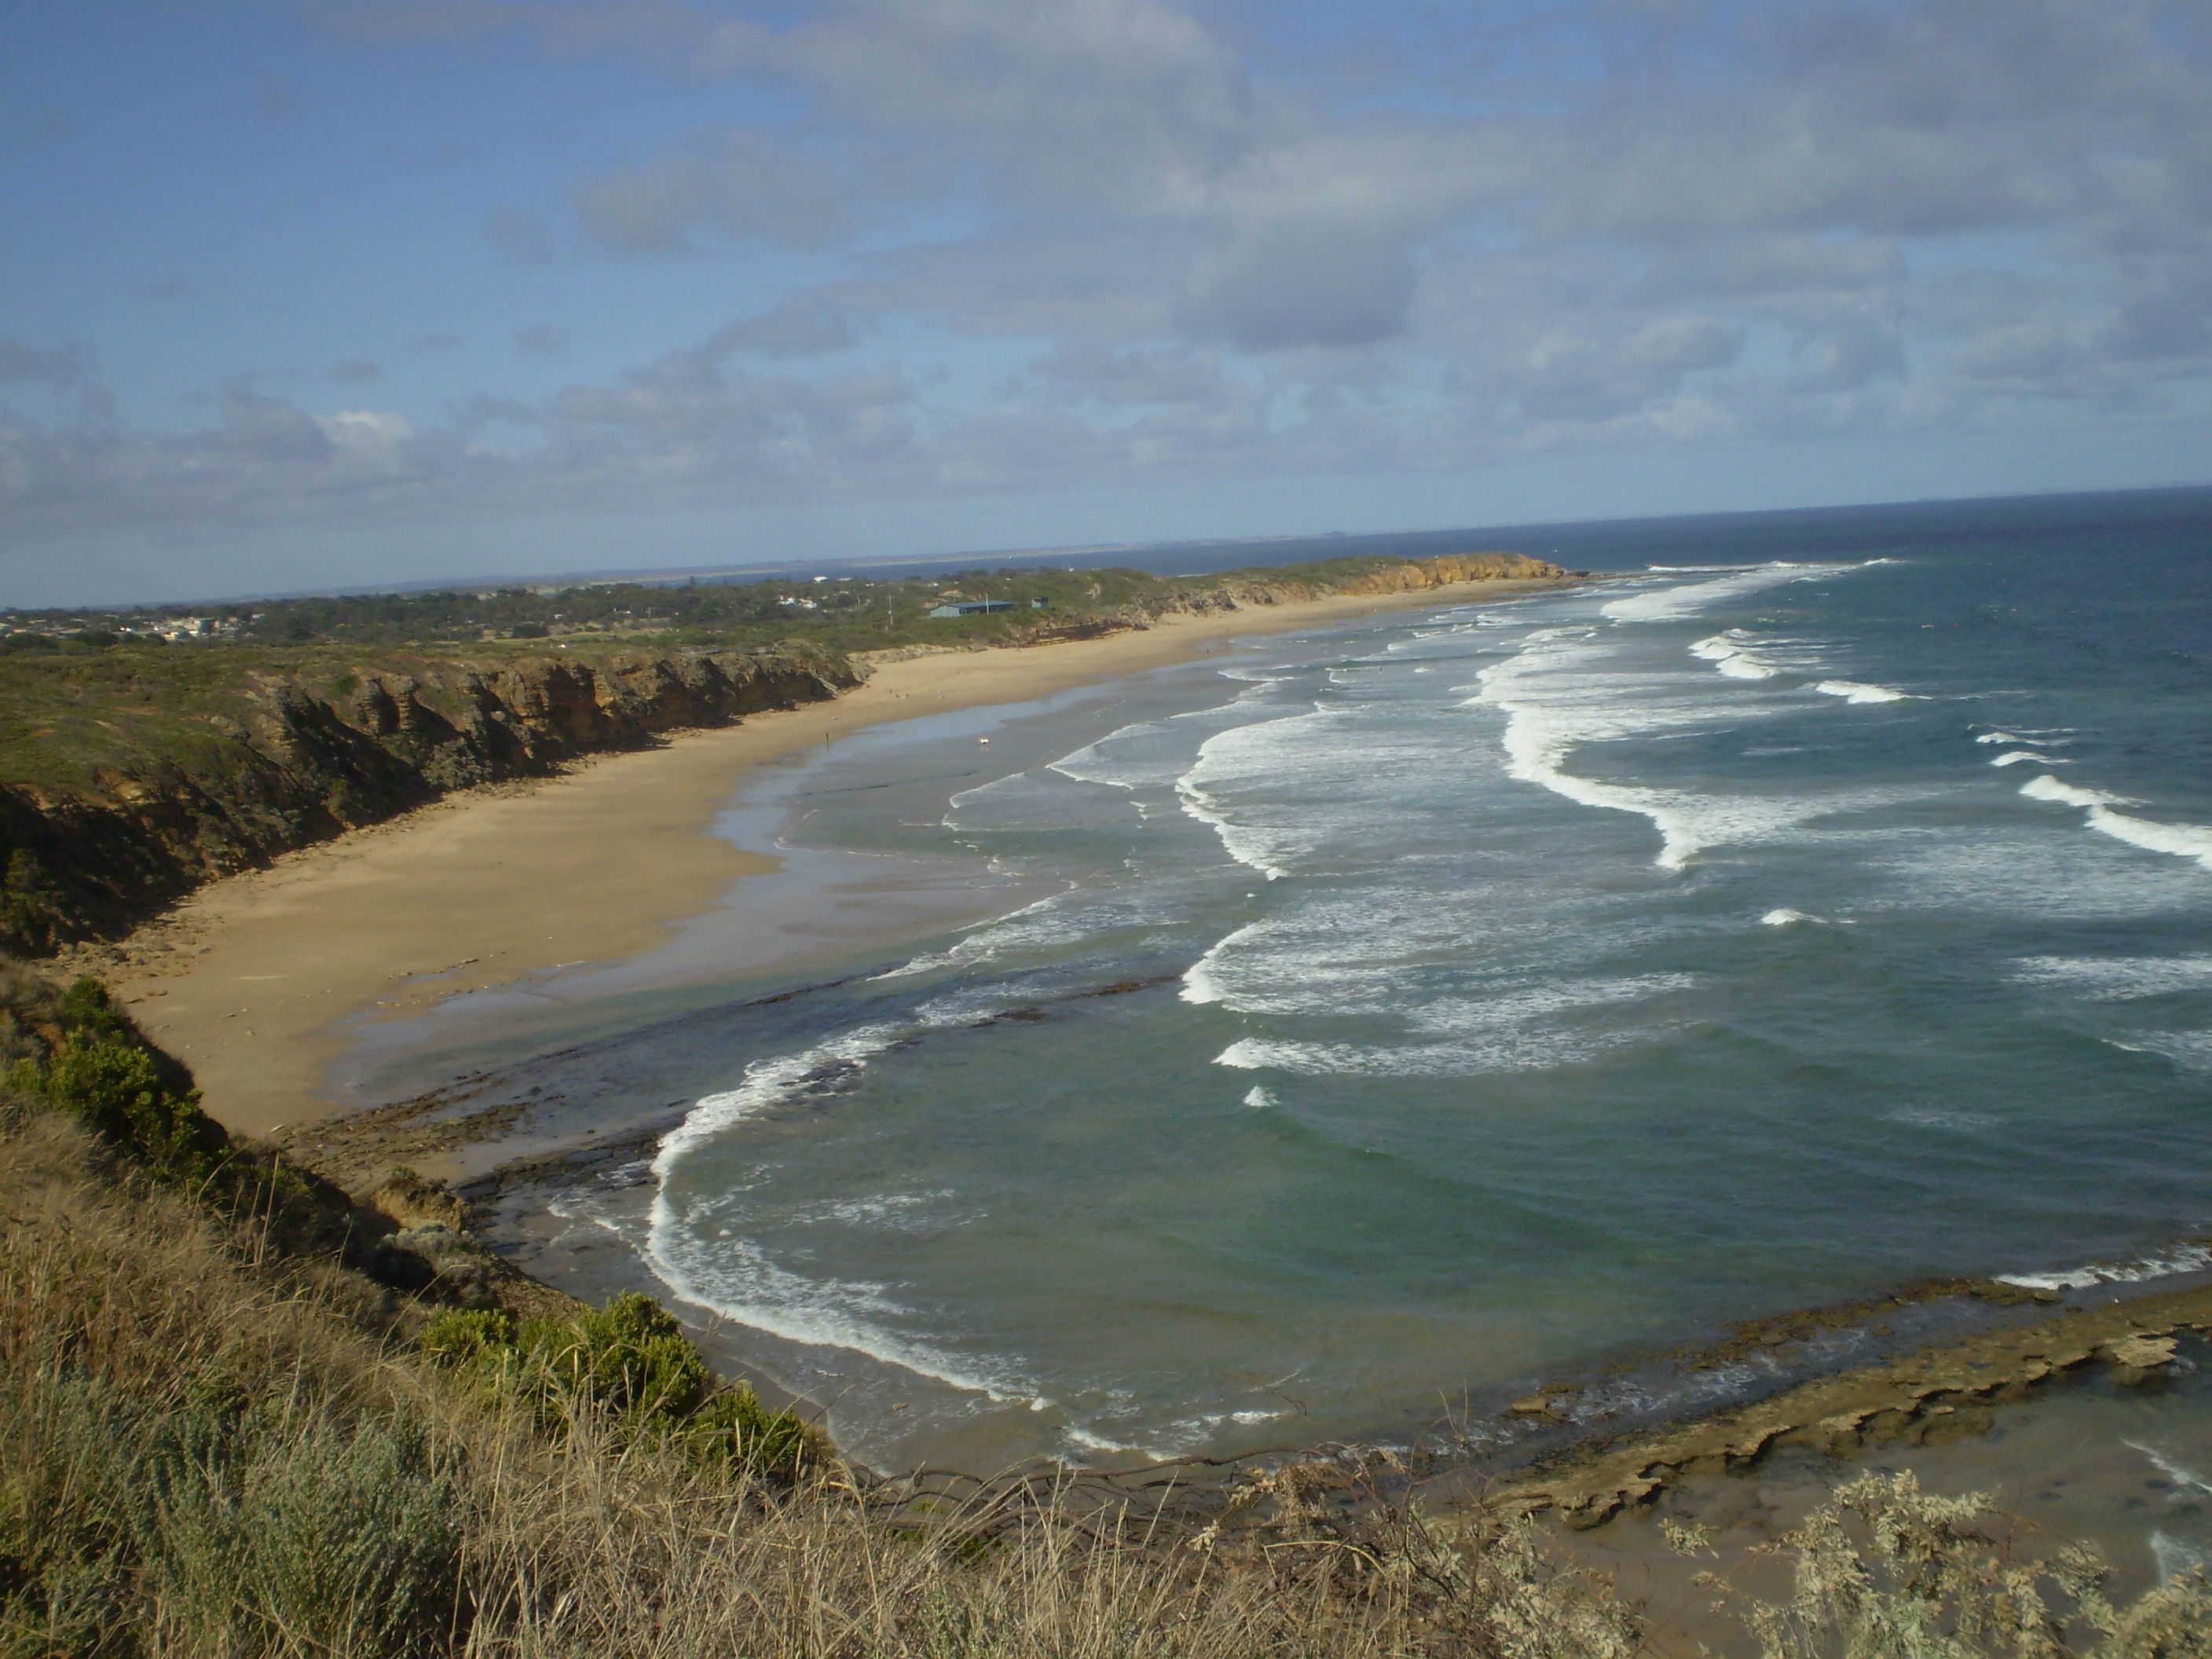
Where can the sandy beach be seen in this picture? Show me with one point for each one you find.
(253, 980)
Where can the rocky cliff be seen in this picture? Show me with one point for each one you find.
(285, 761)
(127, 781)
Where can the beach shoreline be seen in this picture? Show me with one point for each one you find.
(257, 982)
(525, 856)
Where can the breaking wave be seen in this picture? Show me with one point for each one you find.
(2186, 841)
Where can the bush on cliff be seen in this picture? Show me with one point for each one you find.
(206, 1517)
(631, 1361)
(77, 1051)
(127, 1092)
(34, 914)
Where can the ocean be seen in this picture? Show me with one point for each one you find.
(1367, 1024)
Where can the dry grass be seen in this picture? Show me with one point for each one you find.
(213, 1448)
(210, 1448)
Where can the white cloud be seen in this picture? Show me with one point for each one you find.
(1220, 254)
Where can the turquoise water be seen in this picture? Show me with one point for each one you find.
(1425, 1006)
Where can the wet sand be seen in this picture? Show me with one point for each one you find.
(254, 981)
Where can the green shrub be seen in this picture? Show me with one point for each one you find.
(630, 1356)
(733, 1427)
(117, 1089)
(312, 1539)
(125, 1091)
(469, 1335)
(631, 1360)
(33, 914)
(78, 1052)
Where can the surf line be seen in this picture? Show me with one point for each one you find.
(2185, 841)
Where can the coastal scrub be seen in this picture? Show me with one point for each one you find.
(631, 1361)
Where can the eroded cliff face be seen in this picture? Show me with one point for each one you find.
(279, 762)
(297, 763)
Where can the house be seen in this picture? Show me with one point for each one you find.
(972, 608)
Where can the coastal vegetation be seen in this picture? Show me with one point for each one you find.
(224, 1432)
(843, 613)
(132, 769)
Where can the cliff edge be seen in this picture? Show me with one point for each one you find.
(130, 776)
(161, 795)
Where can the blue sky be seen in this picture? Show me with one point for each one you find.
(303, 295)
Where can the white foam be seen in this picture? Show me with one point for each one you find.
(1785, 917)
(1560, 691)
(1259, 1097)
(1326, 955)
(2017, 756)
(1191, 1432)
(900, 1212)
(1680, 599)
(1513, 1052)
(1250, 848)
(735, 1278)
(1999, 737)
(1732, 659)
(1855, 691)
(1937, 1117)
(2173, 1556)
(1093, 763)
(1257, 756)
(2187, 840)
(2190, 1050)
(1412, 954)
(1019, 801)
(1199, 981)
(1033, 923)
(2067, 794)
(2181, 1259)
(1491, 1011)
(2022, 870)
(768, 1082)
(2174, 1470)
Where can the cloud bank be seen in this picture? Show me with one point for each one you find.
(1129, 242)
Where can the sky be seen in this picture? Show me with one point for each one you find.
(300, 293)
